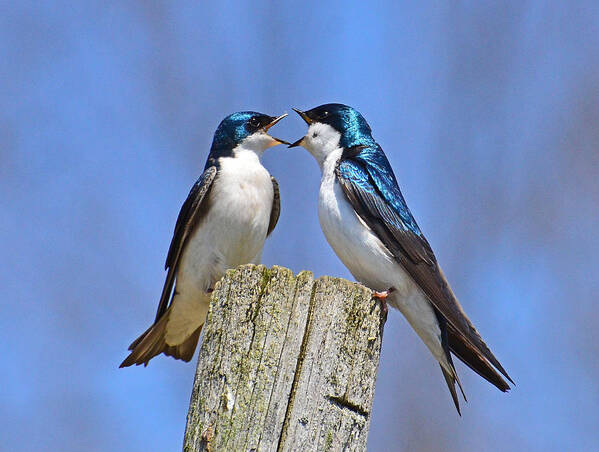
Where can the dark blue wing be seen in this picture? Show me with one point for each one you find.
(368, 182)
(275, 211)
(191, 211)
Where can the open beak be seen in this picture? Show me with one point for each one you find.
(303, 115)
(308, 121)
(272, 123)
(296, 143)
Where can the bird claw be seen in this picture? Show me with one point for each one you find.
(382, 297)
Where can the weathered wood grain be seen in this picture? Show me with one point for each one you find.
(286, 363)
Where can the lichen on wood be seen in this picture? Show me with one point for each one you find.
(286, 363)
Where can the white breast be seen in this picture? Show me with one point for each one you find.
(234, 229)
(369, 261)
(357, 246)
(231, 233)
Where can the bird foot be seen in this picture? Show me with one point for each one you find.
(382, 297)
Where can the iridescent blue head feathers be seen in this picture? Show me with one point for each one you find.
(344, 119)
(235, 128)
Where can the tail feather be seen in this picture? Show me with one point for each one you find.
(152, 342)
(136, 342)
(451, 381)
(185, 350)
(449, 372)
(475, 360)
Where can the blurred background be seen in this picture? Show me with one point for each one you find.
(489, 114)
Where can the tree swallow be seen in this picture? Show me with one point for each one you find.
(231, 209)
(369, 226)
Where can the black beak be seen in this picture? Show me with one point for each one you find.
(303, 115)
(296, 143)
(308, 121)
(272, 123)
(279, 140)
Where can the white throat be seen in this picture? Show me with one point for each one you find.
(256, 143)
(247, 154)
(321, 141)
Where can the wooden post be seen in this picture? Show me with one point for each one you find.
(287, 363)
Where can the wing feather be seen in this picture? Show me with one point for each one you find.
(370, 186)
(276, 206)
(192, 210)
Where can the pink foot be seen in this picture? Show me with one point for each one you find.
(382, 297)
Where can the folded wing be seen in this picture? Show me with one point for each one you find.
(370, 185)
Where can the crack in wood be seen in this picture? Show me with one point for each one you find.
(283, 346)
(298, 369)
(342, 402)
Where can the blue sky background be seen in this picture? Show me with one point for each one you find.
(489, 113)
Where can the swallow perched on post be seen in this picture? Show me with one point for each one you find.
(369, 226)
(230, 210)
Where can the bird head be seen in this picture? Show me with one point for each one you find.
(244, 130)
(333, 126)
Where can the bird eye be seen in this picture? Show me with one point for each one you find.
(255, 122)
(323, 115)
